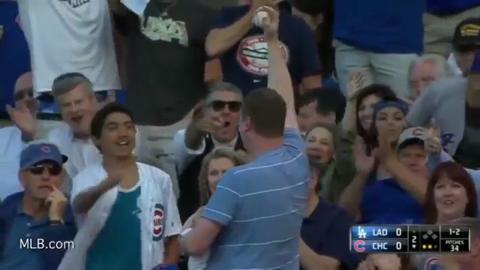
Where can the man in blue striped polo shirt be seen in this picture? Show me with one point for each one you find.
(253, 219)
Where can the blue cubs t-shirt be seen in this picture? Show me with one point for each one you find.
(261, 206)
(246, 63)
(385, 202)
(380, 26)
(14, 53)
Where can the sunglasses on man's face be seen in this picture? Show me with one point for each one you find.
(219, 105)
(53, 170)
(22, 94)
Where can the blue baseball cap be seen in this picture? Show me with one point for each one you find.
(38, 152)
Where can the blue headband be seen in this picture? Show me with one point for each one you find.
(399, 104)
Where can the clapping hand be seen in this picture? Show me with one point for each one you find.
(433, 143)
(363, 163)
(356, 80)
(23, 118)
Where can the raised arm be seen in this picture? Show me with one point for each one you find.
(86, 199)
(220, 40)
(278, 75)
(353, 193)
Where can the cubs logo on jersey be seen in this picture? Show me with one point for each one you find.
(158, 222)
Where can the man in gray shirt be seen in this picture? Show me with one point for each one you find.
(455, 106)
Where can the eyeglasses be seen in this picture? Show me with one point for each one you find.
(22, 94)
(233, 106)
(53, 170)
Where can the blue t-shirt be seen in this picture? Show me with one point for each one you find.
(26, 243)
(246, 63)
(385, 202)
(118, 245)
(447, 7)
(14, 53)
(326, 231)
(380, 26)
(261, 206)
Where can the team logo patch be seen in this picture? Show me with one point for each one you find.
(252, 55)
(158, 222)
(46, 149)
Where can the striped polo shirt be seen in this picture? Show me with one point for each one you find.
(261, 206)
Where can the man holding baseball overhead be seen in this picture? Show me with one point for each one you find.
(39, 215)
(253, 219)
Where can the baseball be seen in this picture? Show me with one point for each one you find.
(259, 18)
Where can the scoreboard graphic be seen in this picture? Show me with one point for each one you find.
(409, 239)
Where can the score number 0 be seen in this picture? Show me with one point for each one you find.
(398, 245)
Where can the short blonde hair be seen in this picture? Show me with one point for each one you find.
(237, 159)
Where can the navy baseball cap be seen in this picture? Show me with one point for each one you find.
(467, 35)
(38, 152)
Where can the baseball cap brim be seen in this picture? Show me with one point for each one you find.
(34, 162)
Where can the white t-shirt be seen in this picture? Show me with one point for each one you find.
(80, 153)
(11, 146)
(70, 36)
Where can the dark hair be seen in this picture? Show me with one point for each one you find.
(383, 92)
(324, 31)
(99, 119)
(267, 111)
(458, 174)
(329, 100)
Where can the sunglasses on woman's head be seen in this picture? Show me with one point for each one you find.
(219, 105)
(53, 170)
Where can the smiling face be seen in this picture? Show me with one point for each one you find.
(450, 199)
(78, 106)
(390, 122)
(322, 138)
(118, 136)
(365, 111)
(216, 169)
